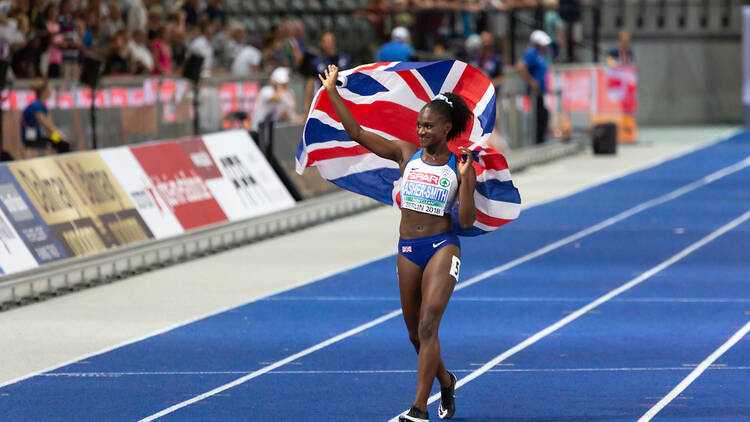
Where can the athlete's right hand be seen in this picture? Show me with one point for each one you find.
(331, 74)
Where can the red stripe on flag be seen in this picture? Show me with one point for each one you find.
(471, 86)
(495, 161)
(371, 66)
(391, 118)
(490, 221)
(414, 84)
(334, 152)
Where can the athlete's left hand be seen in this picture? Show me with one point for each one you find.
(465, 167)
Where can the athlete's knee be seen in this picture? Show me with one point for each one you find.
(427, 326)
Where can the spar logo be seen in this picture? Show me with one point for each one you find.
(428, 178)
(445, 182)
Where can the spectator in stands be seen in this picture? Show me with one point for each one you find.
(377, 12)
(401, 15)
(296, 45)
(283, 49)
(155, 16)
(215, 11)
(162, 53)
(25, 48)
(12, 34)
(91, 42)
(55, 39)
(191, 8)
(202, 46)
(37, 128)
(471, 12)
(428, 21)
(533, 69)
(328, 55)
(175, 23)
(36, 14)
(137, 16)
(398, 50)
(275, 102)
(245, 59)
(222, 43)
(555, 28)
(622, 55)
(488, 60)
(142, 60)
(118, 59)
(179, 48)
(570, 12)
(112, 23)
(71, 40)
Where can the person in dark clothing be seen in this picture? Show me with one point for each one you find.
(533, 69)
(570, 12)
(37, 128)
(622, 55)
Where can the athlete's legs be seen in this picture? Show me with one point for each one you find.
(410, 287)
(437, 287)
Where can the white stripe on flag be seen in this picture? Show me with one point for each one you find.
(476, 132)
(497, 209)
(499, 175)
(345, 166)
(455, 74)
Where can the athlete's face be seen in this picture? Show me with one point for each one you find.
(432, 127)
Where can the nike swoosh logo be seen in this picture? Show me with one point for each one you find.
(435, 245)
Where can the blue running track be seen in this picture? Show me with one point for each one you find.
(526, 299)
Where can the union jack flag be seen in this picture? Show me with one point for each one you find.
(385, 98)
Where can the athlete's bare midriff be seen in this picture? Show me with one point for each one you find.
(415, 225)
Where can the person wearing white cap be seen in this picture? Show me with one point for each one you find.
(533, 69)
(398, 50)
(275, 102)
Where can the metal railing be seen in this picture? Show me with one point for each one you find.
(74, 273)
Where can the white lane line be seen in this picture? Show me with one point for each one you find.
(374, 371)
(723, 137)
(695, 373)
(519, 299)
(192, 320)
(582, 311)
(612, 220)
(551, 247)
(271, 367)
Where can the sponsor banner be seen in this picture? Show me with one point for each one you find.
(221, 189)
(617, 89)
(576, 92)
(235, 96)
(249, 186)
(179, 184)
(57, 202)
(14, 256)
(26, 220)
(136, 183)
(99, 191)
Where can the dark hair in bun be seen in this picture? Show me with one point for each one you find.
(458, 113)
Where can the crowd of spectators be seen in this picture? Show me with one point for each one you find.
(48, 38)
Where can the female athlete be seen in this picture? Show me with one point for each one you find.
(432, 179)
